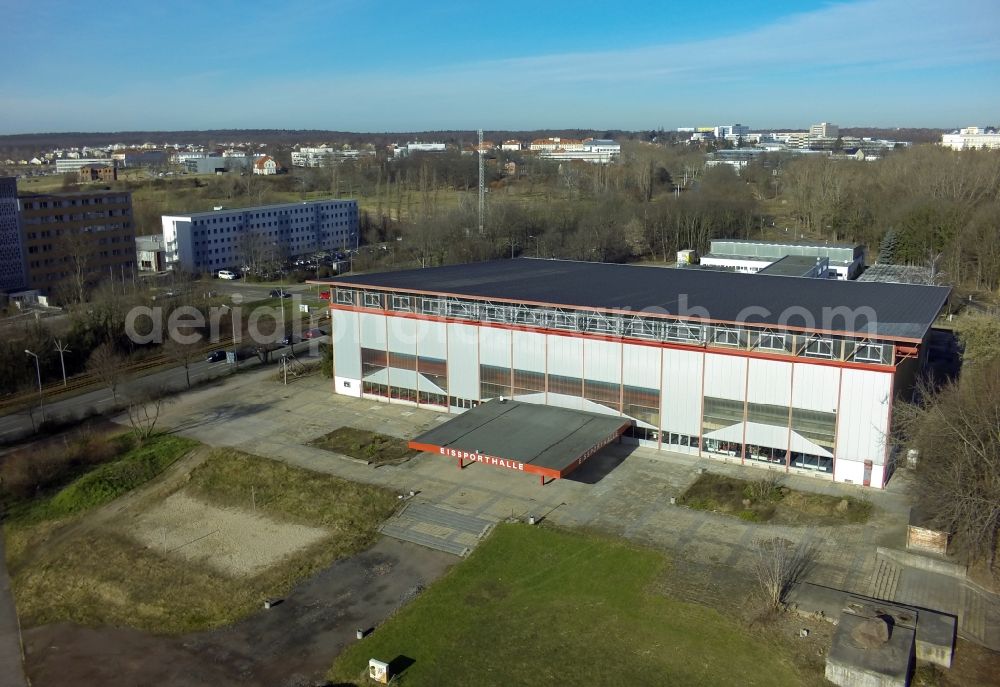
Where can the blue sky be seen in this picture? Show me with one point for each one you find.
(368, 65)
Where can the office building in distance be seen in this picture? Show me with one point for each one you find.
(221, 239)
(786, 373)
(12, 276)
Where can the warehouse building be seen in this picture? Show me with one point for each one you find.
(844, 260)
(755, 369)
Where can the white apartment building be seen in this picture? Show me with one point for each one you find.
(552, 144)
(322, 156)
(210, 241)
(418, 147)
(64, 165)
(510, 145)
(598, 151)
(972, 137)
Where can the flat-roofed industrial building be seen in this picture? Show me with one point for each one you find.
(792, 374)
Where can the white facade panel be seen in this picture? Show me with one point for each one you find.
(529, 351)
(494, 347)
(864, 417)
(725, 376)
(681, 392)
(815, 387)
(602, 361)
(463, 361)
(769, 381)
(346, 349)
(372, 330)
(402, 335)
(432, 339)
(640, 366)
(565, 356)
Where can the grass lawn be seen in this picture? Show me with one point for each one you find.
(763, 500)
(102, 484)
(100, 571)
(364, 445)
(538, 606)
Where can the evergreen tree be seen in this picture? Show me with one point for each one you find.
(888, 247)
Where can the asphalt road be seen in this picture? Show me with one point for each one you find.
(19, 424)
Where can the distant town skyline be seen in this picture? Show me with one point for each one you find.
(397, 66)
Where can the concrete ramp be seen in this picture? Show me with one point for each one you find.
(437, 528)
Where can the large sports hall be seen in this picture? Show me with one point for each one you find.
(791, 373)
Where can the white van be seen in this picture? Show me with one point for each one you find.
(226, 274)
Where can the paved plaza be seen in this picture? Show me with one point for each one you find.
(623, 491)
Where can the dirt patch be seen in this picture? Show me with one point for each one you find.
(293, 643)
(232, 541)
(370, 447)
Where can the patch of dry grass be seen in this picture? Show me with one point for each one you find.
(104, 576)
(364, 445)
(763, 500)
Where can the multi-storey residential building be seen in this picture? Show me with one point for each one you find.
(228, 238)
(790, 374)
(77, 238)
(12, 275)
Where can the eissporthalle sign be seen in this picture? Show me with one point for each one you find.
(483, 458)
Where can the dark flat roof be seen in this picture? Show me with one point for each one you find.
(547, 440)
(897, 311)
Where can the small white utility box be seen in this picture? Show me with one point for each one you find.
(378, 671)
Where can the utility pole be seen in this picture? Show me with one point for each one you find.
(482, 183)
(63, 349)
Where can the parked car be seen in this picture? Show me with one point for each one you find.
(313, 334)
(216, 356)
(290, 339)
(279, 293)
(227, 274)
(325, 295)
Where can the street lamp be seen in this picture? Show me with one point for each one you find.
(234, 324)
(38, 372)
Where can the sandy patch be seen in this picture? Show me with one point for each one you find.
(233, 541)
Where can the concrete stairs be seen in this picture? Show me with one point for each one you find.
(884, 580)
(437, 528)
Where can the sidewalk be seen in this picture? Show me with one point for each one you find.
(11, 667)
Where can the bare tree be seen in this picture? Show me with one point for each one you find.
(776, 565)
(107, 366)
(144, 412)
(183, 354)
(956, 430)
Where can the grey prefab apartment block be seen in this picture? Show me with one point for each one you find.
(215, 240)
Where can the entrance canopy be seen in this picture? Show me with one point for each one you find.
(543, 440)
